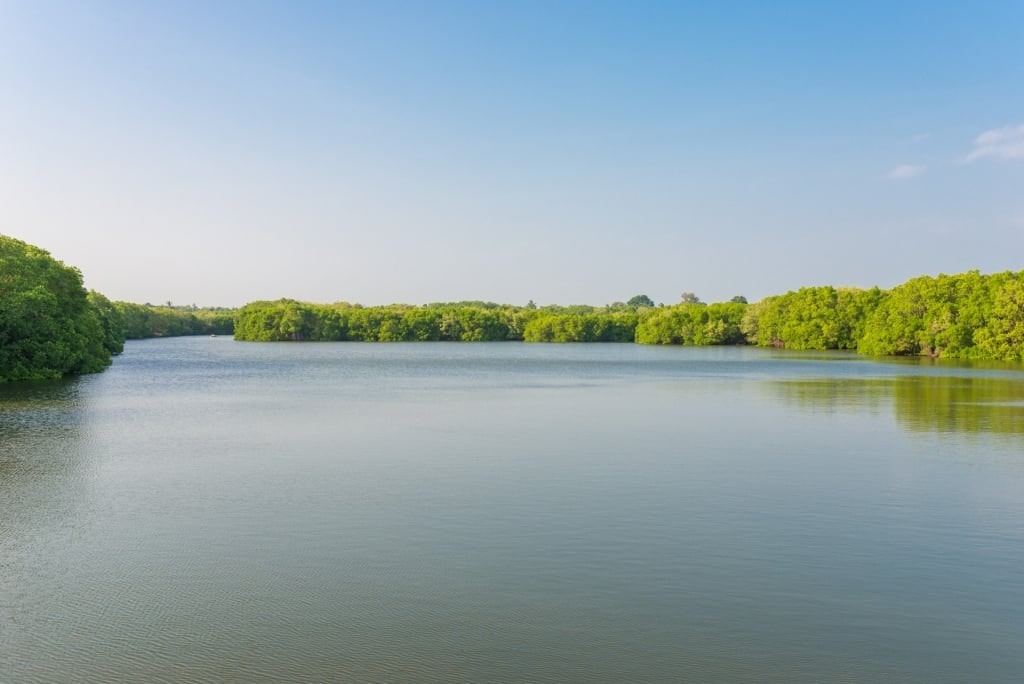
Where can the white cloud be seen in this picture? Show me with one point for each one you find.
(1002, 143)
(919, 138)
(906, 171)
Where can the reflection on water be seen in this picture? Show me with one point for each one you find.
(833, 394)
(38, 405)
(920, 403)
(44, 489)
(966, 405)
(40, 426)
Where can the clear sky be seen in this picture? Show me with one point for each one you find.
(565, 152)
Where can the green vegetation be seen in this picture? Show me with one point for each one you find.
(141, 321)
(637, 320)
(811, 318)
(693, 323)
(966, 316)
(287, 319)
(612, 326)
(49, 325)
(640, 300)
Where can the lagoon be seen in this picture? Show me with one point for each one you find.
(211, 510)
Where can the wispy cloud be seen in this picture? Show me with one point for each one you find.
(1002, 143)
(904, 171)
(919, 138)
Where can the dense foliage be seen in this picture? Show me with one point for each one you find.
(141, 321)
(49, 325)
(811, 318)
(966, 316)
(287, 319)
(592, 326)
(693, 323)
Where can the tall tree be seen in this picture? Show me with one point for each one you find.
(640, 300)
(48, 325)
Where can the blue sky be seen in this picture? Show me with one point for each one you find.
(564, 152)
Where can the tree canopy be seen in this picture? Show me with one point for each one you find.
(640, 300)
(692, 323)
(49, 325)
(141, 321)
(966, 316)
(290, 320)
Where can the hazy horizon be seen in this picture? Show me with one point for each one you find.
(557, 152)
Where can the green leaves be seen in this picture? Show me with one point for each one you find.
(49, 325)
(692, 323)
(549, 326)
(141, 321)
(963, 316)
(811, 318)
(289, 320)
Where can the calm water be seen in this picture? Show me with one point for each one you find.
(208, 510)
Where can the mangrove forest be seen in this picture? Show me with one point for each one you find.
(51, 326)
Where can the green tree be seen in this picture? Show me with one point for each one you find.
(811, 318)
(111, 322)
(692, 324)
(639, 301)
(964, 316)
(1003, 335)
(48, 325)
(921, 316)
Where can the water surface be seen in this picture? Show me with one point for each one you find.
(208, 510)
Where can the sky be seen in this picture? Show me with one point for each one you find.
(565, 152)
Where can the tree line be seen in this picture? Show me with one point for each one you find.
(50, 326)
(141, 321)
(964, 316)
